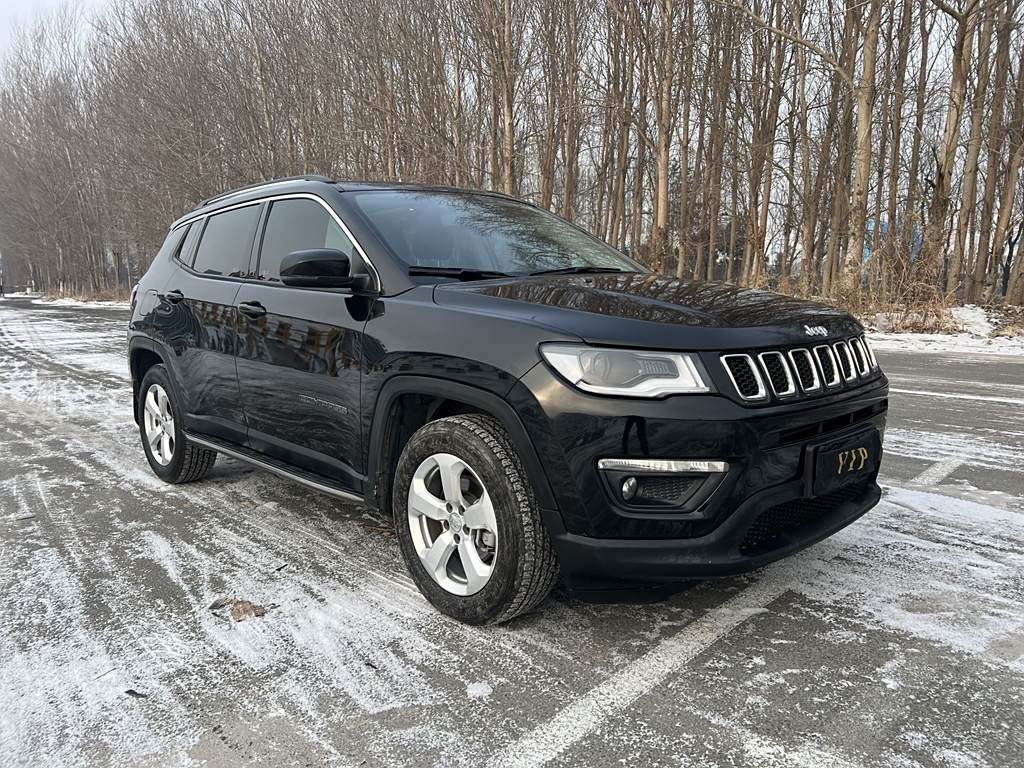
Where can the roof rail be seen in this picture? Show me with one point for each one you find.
(246, 188)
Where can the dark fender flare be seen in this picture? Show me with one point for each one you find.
(481, 399)
(149, 344)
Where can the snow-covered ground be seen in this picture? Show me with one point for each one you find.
(82, 304)
(898, 642)
(975, 332)
(948, 342)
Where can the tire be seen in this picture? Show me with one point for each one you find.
(522, 568)
(171, 456)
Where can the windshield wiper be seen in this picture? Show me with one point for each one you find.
(576, 271)
(458, 273)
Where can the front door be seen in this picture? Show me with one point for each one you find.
(299, 350)
(199, 322)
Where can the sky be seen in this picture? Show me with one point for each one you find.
(14, 12)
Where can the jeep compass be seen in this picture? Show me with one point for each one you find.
(530, 405)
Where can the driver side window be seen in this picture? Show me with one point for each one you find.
(298, 225)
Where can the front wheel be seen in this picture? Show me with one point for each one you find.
(468, 524)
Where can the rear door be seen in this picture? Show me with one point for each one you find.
(199, 322)
(300, 350)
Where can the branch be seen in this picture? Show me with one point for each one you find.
(834, 65)
(949, 10)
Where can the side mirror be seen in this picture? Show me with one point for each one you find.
(317, 268)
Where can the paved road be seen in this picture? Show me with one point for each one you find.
(898, 642)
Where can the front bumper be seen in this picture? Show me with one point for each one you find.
(593, 563)
(601, 543)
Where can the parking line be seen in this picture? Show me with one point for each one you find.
(639, 677)
(939, 471)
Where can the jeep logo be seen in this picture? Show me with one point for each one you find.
(815, 330)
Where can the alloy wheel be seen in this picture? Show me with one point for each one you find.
(453, 526)
(159, 424)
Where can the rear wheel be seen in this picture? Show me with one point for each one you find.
(171, 456)
(468, 523)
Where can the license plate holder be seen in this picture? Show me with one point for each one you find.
(841, 461)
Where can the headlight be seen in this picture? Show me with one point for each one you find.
(626, 372)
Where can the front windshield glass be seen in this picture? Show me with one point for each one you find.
(463, 230)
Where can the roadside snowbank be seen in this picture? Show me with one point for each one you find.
(979, 331)
(947, 342)
(82, 304)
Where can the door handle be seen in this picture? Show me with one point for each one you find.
(252, 309)
(174, 297)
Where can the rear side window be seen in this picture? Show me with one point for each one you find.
(227, 241)
(187, 252)
(298, 225)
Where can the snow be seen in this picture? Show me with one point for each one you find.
(478, 690)
(971, 449)
(973, 319)
(82, 304)
(935, 567)
(974, 336)
(964, 343)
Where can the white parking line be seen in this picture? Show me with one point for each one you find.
(939, 471)
(617, 693)
(959, 396)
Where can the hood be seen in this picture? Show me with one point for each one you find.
(654, 310)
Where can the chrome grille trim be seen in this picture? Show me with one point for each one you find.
(871, 352)
(860, 355)
(801, 372)
(790, 384)
(816, 381)
(842, 348)
(837, 377)
(762, 393)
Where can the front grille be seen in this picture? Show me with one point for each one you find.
(827, 363)
(845, 358)
(745, 376)
(778, 373)
(790, 516)
(861, 356)
(806, 373)
(800, 370)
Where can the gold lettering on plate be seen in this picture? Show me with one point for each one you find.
(852, 460)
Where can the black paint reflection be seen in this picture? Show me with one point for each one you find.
(299, 377)
(659, 299)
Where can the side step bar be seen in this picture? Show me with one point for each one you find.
(307, 479)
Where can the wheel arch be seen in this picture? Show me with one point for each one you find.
(406, 403)
(143, 354)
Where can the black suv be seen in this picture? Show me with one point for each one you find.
(531, 405)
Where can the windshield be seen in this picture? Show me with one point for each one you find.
(485, 233)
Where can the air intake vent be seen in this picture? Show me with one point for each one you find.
(845, 358)
(827, 361)
(860, 356)
(806, 373)
(778, 373)
(744, 376)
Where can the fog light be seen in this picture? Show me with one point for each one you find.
(628, 488)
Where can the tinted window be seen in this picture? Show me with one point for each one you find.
(474, 231)
(227, 241)
(298, 225)
(187, 252)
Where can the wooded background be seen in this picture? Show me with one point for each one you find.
(868, 151)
